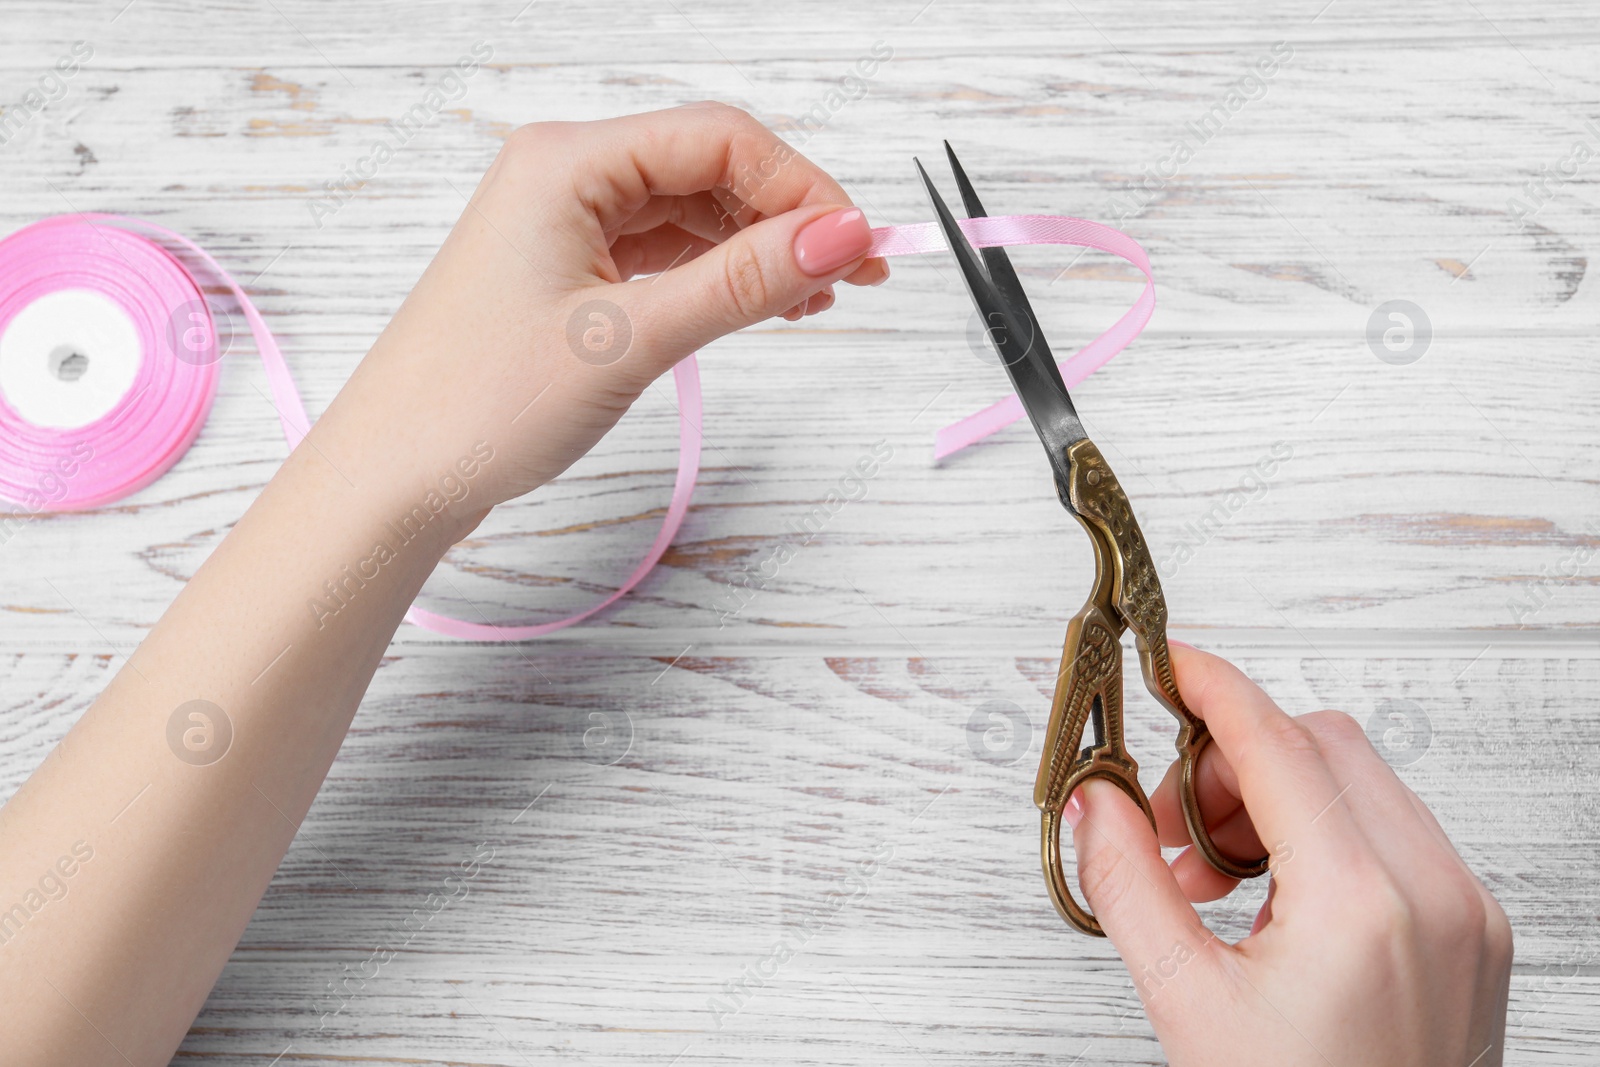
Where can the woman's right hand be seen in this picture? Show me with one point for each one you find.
(1376, 944)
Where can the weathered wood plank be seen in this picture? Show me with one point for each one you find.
(359, 37)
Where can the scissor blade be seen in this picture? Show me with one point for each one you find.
(1042, 395)
(1005, 279)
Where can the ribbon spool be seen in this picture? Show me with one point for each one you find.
(109, 362)
(108, 365)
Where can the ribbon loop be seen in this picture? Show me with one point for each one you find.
(1002, 230)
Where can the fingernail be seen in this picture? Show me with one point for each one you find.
(824, 245)
(884, 276)
(1073, 811)
(1181, 644)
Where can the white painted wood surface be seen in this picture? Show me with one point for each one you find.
(770, 754)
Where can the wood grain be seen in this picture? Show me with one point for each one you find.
(1428, 538)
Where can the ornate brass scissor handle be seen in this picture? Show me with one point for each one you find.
(1126, 593)
(1126, 596)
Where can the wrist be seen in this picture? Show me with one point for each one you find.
(402, 473)
(426, 502)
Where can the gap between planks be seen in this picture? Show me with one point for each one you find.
(1575, 643)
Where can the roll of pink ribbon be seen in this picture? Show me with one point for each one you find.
(129, 297)
(167, 399)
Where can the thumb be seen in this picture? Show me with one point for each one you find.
(763, 270)
(1131, 890)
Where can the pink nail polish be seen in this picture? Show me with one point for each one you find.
(824, 245)
(1073, 811)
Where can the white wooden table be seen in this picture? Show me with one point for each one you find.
(667, 791)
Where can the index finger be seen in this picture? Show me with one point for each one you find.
(1287, 786)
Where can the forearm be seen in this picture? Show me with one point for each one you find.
(281, 630)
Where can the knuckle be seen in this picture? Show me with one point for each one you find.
(729, 113)
(746, 282)
(524, 141)
(1334, 727)
(1367, 896)
(1451, 919)
(528, 136)
(533, 140)
(1497, 934)
(1289, 737)
(1388, 918)
(1467, 908)
(1199, 679)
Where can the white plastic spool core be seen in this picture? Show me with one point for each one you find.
(68, 357)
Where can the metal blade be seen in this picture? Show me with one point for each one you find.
(1005, 279)
(1042, 395)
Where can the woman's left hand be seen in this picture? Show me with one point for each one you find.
(532, 330)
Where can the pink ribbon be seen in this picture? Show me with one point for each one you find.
(161, 414)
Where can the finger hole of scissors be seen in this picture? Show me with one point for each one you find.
(1061, 868)
(1217, 854)
(1216, 788)
(1199, 881)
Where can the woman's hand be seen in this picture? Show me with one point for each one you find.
(531, 331)
(1376, 944)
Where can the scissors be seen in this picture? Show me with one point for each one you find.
(1126, 593)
